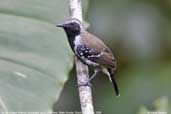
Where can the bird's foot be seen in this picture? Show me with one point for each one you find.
(84, 84)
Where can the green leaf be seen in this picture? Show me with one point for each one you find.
(35, 58)
(162, 104)
(143, 110)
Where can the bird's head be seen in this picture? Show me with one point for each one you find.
(72, 27)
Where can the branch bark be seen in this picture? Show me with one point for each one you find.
(85, 94)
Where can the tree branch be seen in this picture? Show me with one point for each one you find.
(75, 10)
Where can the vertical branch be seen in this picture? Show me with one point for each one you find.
(75, 10)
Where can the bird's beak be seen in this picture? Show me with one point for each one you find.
(60, 25)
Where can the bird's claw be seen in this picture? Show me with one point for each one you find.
(84, 84)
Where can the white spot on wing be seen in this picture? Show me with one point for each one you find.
(82, 48)
(20, 74)
(91, 63)
(97, 55)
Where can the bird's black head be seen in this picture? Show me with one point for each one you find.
(72, 27)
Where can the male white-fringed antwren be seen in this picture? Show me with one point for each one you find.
(90, 50)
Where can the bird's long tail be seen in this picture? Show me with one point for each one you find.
(115, 85)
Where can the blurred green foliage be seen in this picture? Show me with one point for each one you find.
(160, 106)
(34, 56)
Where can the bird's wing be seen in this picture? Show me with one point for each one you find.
(98, 51)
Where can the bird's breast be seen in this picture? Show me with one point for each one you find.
(77, 40)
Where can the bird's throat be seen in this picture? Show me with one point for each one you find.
(72, 38)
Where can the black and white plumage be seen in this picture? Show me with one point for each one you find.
(90, 50)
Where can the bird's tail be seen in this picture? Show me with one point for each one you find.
(114, 82)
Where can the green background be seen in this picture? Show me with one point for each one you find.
(36, 60)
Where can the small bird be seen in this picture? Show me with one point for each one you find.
(90, 50)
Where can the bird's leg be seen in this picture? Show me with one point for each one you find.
(91, 78)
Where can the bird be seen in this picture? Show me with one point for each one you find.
(90, 50)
